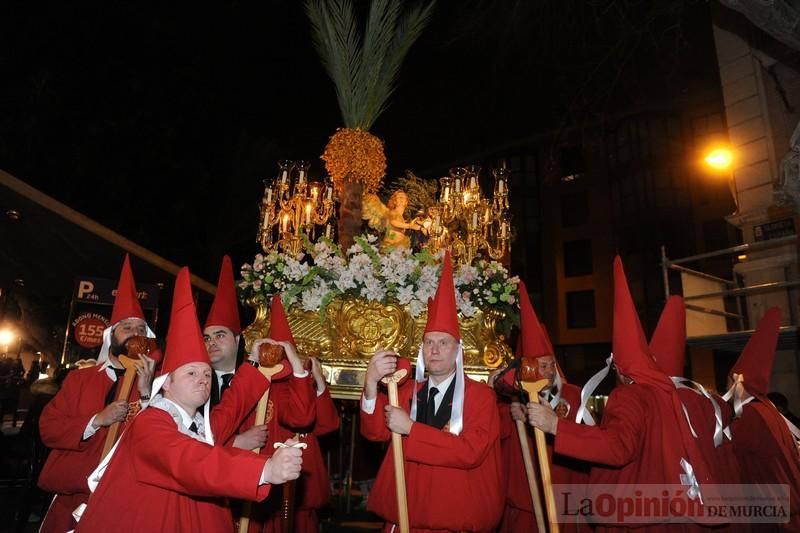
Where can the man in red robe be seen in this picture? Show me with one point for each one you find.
(564, 398)
(451, 430)
(222, 336)
(643, 438)
(706, 412)
(75, 422)
(165, 473)
(291, 408)
(767, 452)
(313, 490)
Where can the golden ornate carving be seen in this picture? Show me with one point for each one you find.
(353, 330)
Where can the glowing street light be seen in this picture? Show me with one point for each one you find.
(6, 337)
(719, 159)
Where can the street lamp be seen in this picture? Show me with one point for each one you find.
(721, 160)
(6, 338)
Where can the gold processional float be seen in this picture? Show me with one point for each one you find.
(346, 303)
(349, 293)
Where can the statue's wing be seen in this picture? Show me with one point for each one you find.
(374, 212)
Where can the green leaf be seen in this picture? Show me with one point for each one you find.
(364, 73)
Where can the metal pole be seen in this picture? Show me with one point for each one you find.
(350, 462)
(664, 271)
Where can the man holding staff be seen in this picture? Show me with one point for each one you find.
(75, 423)
(450, 428)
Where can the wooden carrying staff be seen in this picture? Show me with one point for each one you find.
(287, 505)
(533, 388)
(392, 381)
(136, 345)
(270, 357)
(533, 486)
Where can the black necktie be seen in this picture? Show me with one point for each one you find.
(226, 382)
(112, 392)
(431, 407)
(193, 428)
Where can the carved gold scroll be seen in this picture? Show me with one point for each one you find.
(352, 330)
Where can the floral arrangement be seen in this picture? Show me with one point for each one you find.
(323, 271)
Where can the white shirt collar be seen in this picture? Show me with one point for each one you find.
(109, 370)
(442, 388)
(185, 418)
(220, 373)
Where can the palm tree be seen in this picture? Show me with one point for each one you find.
(364, 72)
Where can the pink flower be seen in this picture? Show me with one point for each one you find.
(511, 299)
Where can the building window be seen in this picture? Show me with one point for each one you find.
(578, 258)
(580, 309)
(574, 209)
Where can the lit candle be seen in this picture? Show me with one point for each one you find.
(499, 186)
(457, 185)
(285, 223)
(328, 230)
(329, 192)
(284, 176)
(308, 213)
(503, 229)
(446, 195)
(301, 176)
(269, 195)
(266, 219)
(475, 219)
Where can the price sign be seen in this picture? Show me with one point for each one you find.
(88, 329)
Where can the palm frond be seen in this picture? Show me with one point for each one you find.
(408, 30)
(338, 42)
(364, 73)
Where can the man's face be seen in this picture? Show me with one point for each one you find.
(439, 351)
(222, 346)
(124, 330)
(546, 368)
(189, 385)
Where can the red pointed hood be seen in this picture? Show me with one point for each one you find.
(126, 301)
(533, 341)
(225, 308)
(442, 312)
(279, 329)
(756, 361)
(184, 338)
(668, 344)
(631, 352)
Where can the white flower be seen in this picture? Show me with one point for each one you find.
(416, 308)
(405, 294)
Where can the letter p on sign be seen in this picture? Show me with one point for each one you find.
(84, 288)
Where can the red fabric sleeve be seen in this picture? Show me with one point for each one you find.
(298, 406)
(373, 426)
(615, 442)
(61, 428)
(247, 387)
(506, 424)
(428, 445)
(327, 415)
(170, 460)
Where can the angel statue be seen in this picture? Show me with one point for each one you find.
(389, 219)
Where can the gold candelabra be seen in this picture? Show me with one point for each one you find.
(466, 221)
(292, 207)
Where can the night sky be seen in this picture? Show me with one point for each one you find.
(160, 119)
